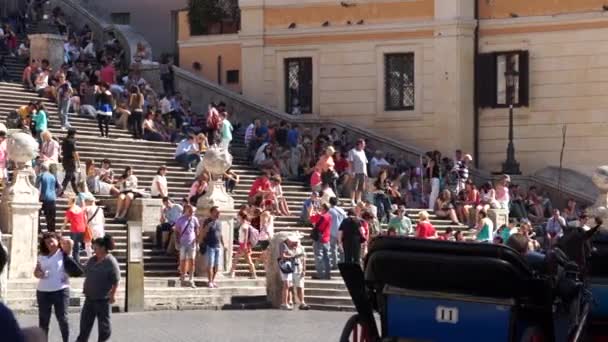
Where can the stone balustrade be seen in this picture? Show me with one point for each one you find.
(78, 15)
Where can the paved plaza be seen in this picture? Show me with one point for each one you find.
(225, 326)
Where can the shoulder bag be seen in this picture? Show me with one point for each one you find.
(88, 232)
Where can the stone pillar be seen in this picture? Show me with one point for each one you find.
(19, 212)
(47, 46)
(19, 208)
(252, 48)
(499, 217)
(217, 161)
(134, 298)
(454, 36)
(274, 284)
(146, 211)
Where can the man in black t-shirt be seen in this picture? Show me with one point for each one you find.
(281, 134)
(349, 238)
(70, 160)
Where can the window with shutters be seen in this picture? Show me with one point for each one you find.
(493, 88)
(399, 88)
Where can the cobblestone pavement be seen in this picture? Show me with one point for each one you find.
(224, 326)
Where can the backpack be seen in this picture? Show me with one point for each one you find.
(286, 266)
(253, 236)
(14, 120)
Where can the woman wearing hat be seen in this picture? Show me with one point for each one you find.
(326, 166)
(292, 265)
(95, 221)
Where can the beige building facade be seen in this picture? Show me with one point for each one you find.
(407, 70)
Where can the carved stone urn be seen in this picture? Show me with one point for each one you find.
(216, 161)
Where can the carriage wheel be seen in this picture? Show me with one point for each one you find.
(355, 331)
(533, 334)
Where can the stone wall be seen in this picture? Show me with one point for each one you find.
(202, 92)
(568, 86)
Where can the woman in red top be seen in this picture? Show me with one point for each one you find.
(424, 228)
(471, 200)
(326, 167)
(367, 219)
(75, 216)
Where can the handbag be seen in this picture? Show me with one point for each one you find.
(88, 232)
(71, 267)
(202, 247)
(315, 234)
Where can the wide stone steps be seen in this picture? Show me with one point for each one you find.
(159, 294)
(146, 157)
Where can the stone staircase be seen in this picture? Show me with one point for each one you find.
(145, 157)
(160, 294)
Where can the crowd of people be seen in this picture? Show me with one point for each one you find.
(380, 187)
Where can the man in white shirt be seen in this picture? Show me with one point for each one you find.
(554, 228)
(165, 106)
(377, 163)
(187, 154)
(358, 167)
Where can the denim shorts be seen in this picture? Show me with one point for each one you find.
(213, 256)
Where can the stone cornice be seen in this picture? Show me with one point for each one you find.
(572, 18)
(212, 39)
(420, 25)
(259, 4)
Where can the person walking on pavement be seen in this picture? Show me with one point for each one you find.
(70, 160)
(48, 186)
(53, 290)
(337, 216)
(102, 275)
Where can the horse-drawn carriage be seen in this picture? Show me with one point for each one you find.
(433, 291)
(598, 284)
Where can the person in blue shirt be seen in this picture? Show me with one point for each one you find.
(293, 136)
(313, 201)
(337, 216)
(261, 134)
(187, 154)
(48, 186)
(170, 212)
(536, 260)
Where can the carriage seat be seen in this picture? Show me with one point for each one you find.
(477, 269)
(599, 255)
